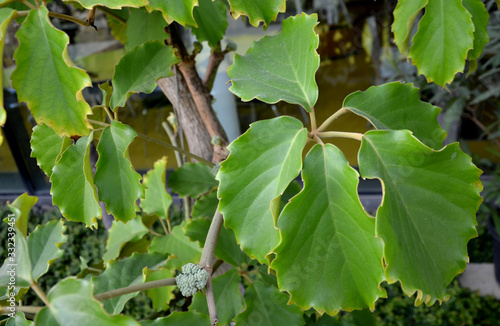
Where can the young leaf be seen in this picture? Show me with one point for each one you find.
(228, 299)
(21, 208)
(444, 37)
(398, 106)
(267, 306)
(227, 248)
(177, 318)
(112, 4)
(120, 233)
(122, 273)
(205, 206)
(46, 79)
(405, 14)
(45, 147)
(160, 296)
(280, 67)
(178, 246)
(257, 11)
(6, 16)
(262, 162)
(71, 303)
(212, 22)
(329, 257)
(480, 20)
(44, 245)
(428, 212)
(143, 27)
(73, 188)
(118, 183)
(192, 179)
(156, 199)
(139, 70)
(180, 10)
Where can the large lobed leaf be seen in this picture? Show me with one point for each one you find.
(280, 67)
(46, 79)
(329, 257)
(428, 212)
(262, 162)
(156, 199)
(212, 22)
(257, 11)
(73, 189)
(398, 106)
(139, 70)
(180, 11)
(46, 146)
(118, 183)
(71, 303)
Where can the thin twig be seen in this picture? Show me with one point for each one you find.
(340, 134)
(26, 309)
(167, 230)
(332, 118)
(41, 294)
(135, 288)
(160, 142)
(154, 232)
(108, 113)
(29, 4)
(68, 18)
(173, 140)
(312, 117)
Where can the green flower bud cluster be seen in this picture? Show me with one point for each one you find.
(192, 279)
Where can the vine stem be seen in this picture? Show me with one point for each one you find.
(57, 15)
(332, 118)
(165, 228)
(38, 290)
(28, 4)
(135, 288)
(160, 142)
(340, 134)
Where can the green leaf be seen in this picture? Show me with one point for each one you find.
(212, 22)
(44, 245)
(228, 300)
(143, 27)
(398, 106)
(19, 320)
(257, 11)
(112, 4)
(121, 233)
(117, 29)
(122, 273)
(6, 16)
(139, 70)
(71, 303)
(262, 162)
(205, 206)
(192, 179)
(227, 248)
(178, 246)
(480, 18)
(46, 79)
(177, 318)
(73, 188)
(180, 10)
(160, 296)
(327, 235)
(118, 183)
(428, 212)
(21, 208)
(405, 14)
(444, 37)
(156, 199)
(45, 147)
(267, 306)
(21, 261)
(280, 67)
